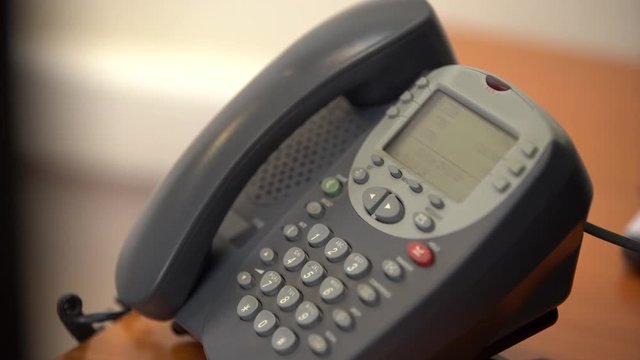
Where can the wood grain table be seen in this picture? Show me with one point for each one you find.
(597, 101)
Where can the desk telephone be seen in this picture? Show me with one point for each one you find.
(369, 199)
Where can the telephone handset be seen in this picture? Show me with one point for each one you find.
(438, 226)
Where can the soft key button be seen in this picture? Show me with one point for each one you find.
(516, 167)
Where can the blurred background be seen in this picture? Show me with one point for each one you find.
(109, 93)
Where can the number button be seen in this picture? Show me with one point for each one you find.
(356, 266)
(331, 290)
(312, 273)
(336, 249)
(318, 235)
(288, 298)
(307, 314)
(294, 258)
(265, 323)
(248, 307)
(271, 282)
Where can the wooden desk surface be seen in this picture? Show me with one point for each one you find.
(598, 104)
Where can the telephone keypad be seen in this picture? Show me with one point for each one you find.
(294, 258)
(331, 290)
(318, 235)
(309, 275)
(307, 314)
(271, 282)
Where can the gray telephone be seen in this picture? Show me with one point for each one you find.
(368, 200)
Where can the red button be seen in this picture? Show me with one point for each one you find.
(497, 84)
(420, 253)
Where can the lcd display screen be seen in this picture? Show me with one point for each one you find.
(450, 146)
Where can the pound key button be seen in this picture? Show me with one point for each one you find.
(284, 340)
(420, 253)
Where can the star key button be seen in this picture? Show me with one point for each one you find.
(420, 253)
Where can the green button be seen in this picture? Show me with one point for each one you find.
(331, 186)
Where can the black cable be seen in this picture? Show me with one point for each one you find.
(617, 239)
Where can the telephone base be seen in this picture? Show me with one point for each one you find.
(522, 333)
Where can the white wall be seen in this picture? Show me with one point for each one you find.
(128, 84)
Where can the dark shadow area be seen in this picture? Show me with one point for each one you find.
(10, 337)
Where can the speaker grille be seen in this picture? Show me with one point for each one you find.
(313, 147)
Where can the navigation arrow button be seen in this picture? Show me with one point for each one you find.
(372, 197)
